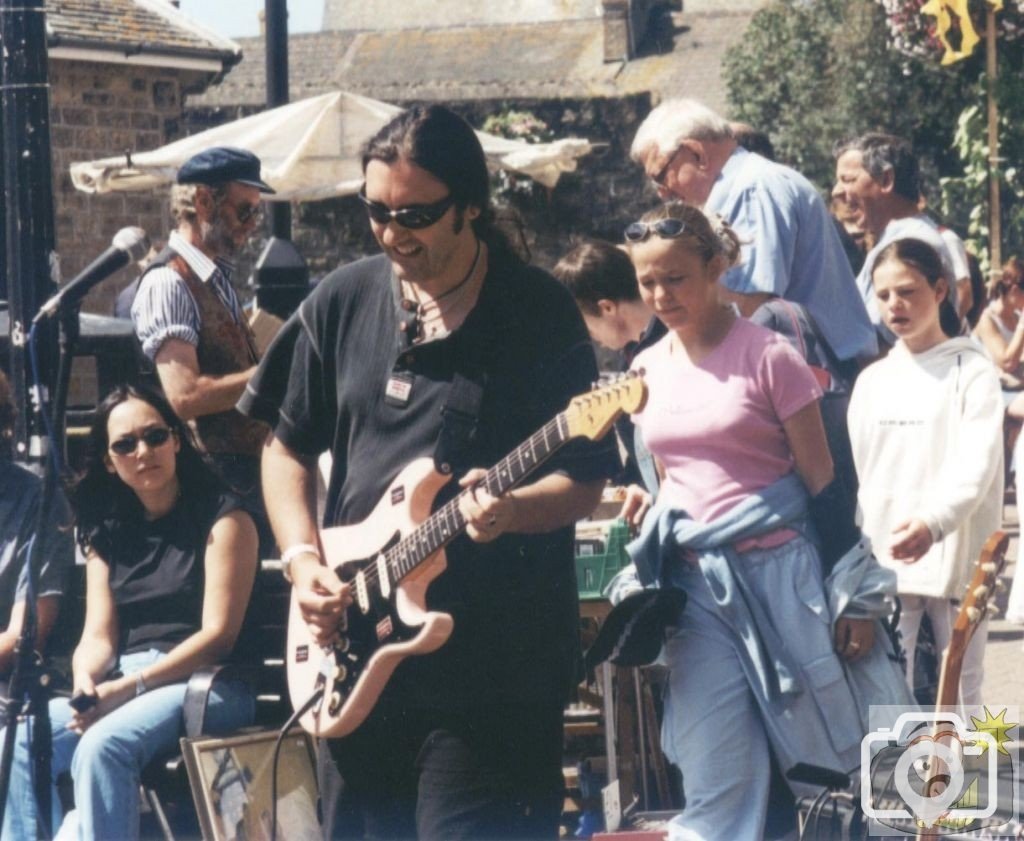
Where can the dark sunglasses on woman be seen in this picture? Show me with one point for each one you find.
(414, 217)
(664, 228)
(154, 437)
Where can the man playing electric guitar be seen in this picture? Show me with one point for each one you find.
(446, 346)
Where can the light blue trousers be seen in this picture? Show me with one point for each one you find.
(107, 761)
(713, 727)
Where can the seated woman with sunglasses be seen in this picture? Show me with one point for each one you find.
(171, 560)
(756, 668)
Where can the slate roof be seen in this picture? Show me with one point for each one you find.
(150, 26)
(522, 61)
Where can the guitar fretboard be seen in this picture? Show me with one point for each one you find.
(447, 522)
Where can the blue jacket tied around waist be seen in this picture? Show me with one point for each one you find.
(814, 705)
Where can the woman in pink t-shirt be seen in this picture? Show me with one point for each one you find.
(731, 410)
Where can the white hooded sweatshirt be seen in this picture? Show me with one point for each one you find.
(926, 430)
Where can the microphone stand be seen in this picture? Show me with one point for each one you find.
(28, 675)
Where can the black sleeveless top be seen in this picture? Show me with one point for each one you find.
(157, 571)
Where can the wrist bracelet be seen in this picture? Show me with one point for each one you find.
(140, 685)
(291, 553)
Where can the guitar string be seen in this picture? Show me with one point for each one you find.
(370, 572)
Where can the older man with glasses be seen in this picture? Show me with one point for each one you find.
(789, 246)
(190, 322)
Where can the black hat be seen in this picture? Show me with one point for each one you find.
(634, 631)
(221, 165)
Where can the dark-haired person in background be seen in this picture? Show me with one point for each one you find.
(602, 281)
(20, 491)
(170, 565)
(465, 742)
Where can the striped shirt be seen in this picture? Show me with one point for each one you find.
(165, 309)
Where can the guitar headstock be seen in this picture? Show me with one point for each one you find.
(990, 565)
(591, 415)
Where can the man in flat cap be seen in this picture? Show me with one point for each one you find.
(188, 317)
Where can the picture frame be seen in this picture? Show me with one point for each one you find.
(230, 778)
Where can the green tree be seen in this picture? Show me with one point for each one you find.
(811, 73)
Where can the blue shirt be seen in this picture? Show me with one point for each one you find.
(790, 248)
(19, 497)
(165, 309)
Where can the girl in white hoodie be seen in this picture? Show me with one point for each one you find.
(926, 430)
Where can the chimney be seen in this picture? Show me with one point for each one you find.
(615, 23)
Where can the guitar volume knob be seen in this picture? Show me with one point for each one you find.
(340, 673)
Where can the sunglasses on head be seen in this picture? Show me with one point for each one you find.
(153, 437)
(414, 216)
(664, 228)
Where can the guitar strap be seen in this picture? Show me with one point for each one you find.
(459, 417)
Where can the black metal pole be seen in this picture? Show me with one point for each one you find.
(276, 21)
(281, 275)
(28, 202)
(31, 276)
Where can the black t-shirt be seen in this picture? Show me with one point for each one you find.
(513, 600)
(157, 571)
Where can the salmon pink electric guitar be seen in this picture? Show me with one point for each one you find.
(393, 555)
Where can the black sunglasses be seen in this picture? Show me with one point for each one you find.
(414, 217)
(664, 228)
(154, 437)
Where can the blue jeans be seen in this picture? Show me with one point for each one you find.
(107, 761)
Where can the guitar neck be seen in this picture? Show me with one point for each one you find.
(948, 695)
(447, 522)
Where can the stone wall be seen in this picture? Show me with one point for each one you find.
(96, 111)
(606, 191)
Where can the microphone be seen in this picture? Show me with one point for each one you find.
(128, 245)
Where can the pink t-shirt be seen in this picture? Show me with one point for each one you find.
(717, 425)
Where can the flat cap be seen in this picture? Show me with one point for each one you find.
(221, 165)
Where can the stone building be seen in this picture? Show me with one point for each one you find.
(119, 74)
(589, 68)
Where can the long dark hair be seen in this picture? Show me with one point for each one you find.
(921, 257)
(439, 141)
(102, 502)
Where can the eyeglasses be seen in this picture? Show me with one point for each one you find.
(153, 437)
(414, 217)
(659, 177)
(664, 228)
(247, 212)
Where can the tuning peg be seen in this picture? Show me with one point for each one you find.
(981, 592)
(988, 567)
(973, 614)
(992, 610)
(1000, 585)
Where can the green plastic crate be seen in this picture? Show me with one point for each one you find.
(600, 553)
